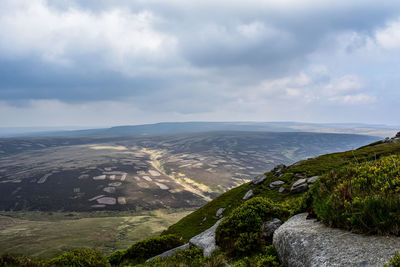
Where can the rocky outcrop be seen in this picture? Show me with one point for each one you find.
(299, 186)
(276, 184)
(278, 170)
(308, 243)
(248, 195)
(259, 179)
(219, 212)
(268, 228)
(170, 252)
(303, 184)
(206, 240)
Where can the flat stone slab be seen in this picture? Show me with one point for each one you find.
(308, 243)
(276, 184)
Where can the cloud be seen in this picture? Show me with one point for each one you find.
(193, 59)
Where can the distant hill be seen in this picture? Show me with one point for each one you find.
(196, 127)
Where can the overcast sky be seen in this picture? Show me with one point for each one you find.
(102, 63)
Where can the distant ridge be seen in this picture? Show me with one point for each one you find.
(195, 127)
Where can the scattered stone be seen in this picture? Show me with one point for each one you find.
(115, 184)
(121, 200)
(147, 178)
(276, 184)
(268, 228)
(107, 200)
(100, 177)
(109, 189)
(248, 195)
(162, 186)
(302, 242)
(259, 179)
(278, 170)
(299, 186)
(170, 252)
(281, 189)
(312, 180)
(219, 212)
(96, 197)
(204, 219)
(206, 240)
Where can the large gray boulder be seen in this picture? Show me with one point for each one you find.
(259, 179)
(308, 243)
(248, 195)
(276, 184)
(299, 186)
(206, 240)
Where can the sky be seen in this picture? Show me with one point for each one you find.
(105, 63)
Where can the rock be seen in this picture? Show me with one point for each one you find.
(259, 179)
(248, 195)
(281, 189)
(312, 180)
(278, 170)
(397, 135)
(276, 184)
(301, 242)
(268, 228)
(299, 186)
(219, 212)
(206, 240)
(170, 252)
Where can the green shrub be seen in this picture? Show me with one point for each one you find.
(80, 257)
(363, 197)
(11, 260)
(266, 259)
(395, 261)
(239, 234)
(142, 250)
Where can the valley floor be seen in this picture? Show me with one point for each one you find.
(45, 235)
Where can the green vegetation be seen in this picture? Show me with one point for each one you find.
(142, 250)
(239, 234)
(267, 258)
(363, 197)
(395, 261)
(204, 217)
(80, 257)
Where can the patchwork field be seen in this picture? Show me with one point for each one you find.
(146, 172)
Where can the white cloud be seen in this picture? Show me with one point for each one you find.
(389, 36)
(116, 37)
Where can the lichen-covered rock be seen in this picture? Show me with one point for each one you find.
(259, 179)
(268, 228)
(206, 240)
(312, 180)
(278, 170)
(219, 212)
(299, 186)
(281, 189)
(308, 243)
(276, 184)
(170, 252)
(248, 195)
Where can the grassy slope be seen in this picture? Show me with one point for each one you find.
(193, 224)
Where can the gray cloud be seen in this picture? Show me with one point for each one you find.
(200, 59)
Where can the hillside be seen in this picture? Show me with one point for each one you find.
(238, 234)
